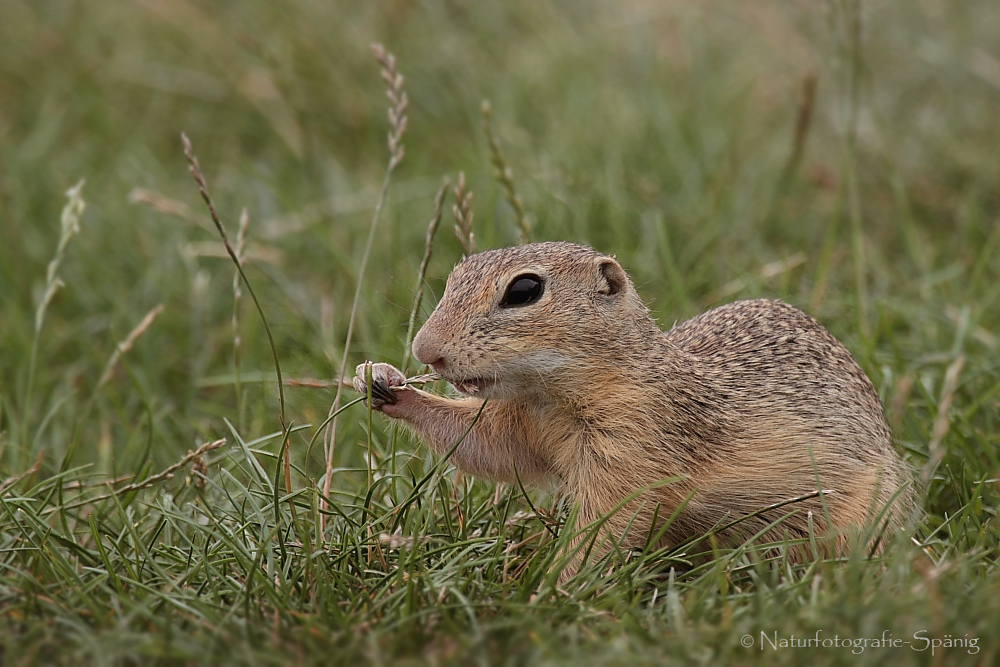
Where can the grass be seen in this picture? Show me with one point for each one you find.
(679, 136)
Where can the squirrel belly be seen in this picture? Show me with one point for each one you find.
(744, 406)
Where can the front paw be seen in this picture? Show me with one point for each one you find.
(384, 377)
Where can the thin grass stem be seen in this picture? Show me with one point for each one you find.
(397, 123)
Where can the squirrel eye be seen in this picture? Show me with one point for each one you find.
(522, 291)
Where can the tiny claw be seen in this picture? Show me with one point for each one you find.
(381, 391)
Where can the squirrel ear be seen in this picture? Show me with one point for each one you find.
(612, 278)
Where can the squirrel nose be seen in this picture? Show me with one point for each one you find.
(427, 353)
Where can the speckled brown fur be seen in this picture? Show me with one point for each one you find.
(750, 404)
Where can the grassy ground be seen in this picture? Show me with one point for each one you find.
(676, 135)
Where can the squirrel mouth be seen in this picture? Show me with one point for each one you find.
(472, 385)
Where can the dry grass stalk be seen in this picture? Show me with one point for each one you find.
(418, 295)
(462, 210)
(69, 222)
(982, 335)
(160, 203)
(123, 347)
(504, 175)
(397, 122)
(196, 455)
(241, 242)
(14, 479)
(767, 271)
(312, 383)
(397, 540)
(77, 484)
(199, 178)
(942, 422)
(421, 379)
(397, 104)
(199, 468)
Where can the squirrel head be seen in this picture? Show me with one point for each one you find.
(514, 320)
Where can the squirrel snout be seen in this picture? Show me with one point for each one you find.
(427, 353)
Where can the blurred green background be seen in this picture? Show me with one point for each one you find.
(658, 131)
(663, 132)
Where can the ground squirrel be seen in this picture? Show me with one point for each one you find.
(749, 404)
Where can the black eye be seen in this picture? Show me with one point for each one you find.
(522, 291)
